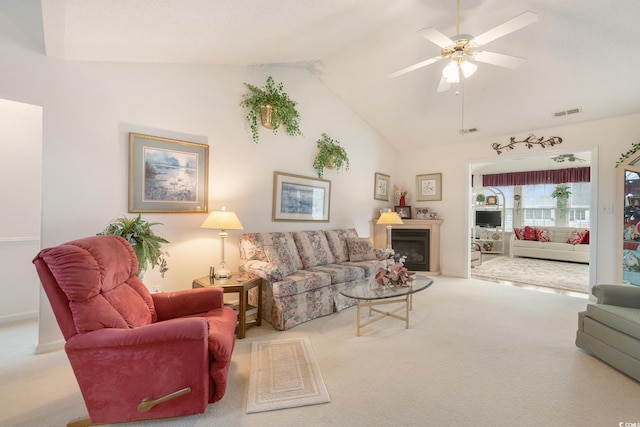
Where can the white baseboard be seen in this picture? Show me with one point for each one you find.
(51, 346)
(18, 317)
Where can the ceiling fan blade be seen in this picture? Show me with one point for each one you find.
(514, 24)
(436, 37)
(444, 85)
(415, 67)
(499, 59)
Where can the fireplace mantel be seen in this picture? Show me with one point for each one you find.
(380, 238)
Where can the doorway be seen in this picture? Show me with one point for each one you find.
(548, 160)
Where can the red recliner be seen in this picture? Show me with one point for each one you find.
(135, 355)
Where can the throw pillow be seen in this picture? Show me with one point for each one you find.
(360, 249)
(575, 237)
(529, 233)
(585, 238)
(281, 260)
(542, 235)
(519, 232)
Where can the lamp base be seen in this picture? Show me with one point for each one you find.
(222, 273)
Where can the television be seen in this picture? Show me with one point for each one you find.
(489, 219)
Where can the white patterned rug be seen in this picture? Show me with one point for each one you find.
(553, 274)
(284, 374)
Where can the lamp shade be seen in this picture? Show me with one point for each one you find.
(222, 220)
(389, 218)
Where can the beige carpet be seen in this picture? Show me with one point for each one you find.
(554, 274)
(477, 353)
(284, 374)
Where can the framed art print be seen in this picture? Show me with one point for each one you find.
(381, 187)
(403, 212)
(167, 175)
(429, 187)
(300, 198)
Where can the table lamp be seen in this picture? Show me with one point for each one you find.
(389, 219)
(223, 221)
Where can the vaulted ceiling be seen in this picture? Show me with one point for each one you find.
(579, 54)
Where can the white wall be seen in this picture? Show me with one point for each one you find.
(607, 138)
(89, 109)
(20, 175)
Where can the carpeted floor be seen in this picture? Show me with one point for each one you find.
(477, 354)
(540, 272)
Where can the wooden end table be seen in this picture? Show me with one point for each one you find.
(242, 287)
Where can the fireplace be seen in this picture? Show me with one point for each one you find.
(432, 265)
(414, 245)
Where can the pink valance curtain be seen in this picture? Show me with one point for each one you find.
(555, 176)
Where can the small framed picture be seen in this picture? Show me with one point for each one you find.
(421, 213)
(429, 187)
(432, 215)
(381, 187)
(492, 200)
(403, 212)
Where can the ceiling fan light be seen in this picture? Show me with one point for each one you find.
(451, 72)
(468, 68)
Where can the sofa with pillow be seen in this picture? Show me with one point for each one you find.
(303, 271)
(555, 243)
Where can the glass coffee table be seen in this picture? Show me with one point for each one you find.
(369, 294)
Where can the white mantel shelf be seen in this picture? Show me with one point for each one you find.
(433, 225)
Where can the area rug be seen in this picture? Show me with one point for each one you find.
(284, 374)
(553, 274)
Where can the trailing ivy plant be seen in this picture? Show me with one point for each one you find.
(634, 148)
(284, 113)
(331, 155)
(144, 242)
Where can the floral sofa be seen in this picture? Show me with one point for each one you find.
(304, 271)
(555, 243)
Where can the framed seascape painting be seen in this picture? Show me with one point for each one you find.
(381, 188)
(429, 187)
(300, 198)
(167, 175)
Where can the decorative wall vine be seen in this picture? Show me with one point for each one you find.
(529, 142)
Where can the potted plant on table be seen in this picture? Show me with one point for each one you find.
(331, 156)
(144, 242)
(274, 107)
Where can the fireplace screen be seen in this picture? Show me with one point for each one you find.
(414, 244)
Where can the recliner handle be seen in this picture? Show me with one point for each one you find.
(148, 402)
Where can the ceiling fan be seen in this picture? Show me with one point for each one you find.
(462, 49)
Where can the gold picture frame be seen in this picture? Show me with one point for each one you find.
(492, 200)
(429, 187)
(167, 175)
(381, 186)
(300, 198)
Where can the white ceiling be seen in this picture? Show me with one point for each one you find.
(580, 53)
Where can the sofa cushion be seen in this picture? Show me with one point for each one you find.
(527, 244)
(338, 243)
(575, 237)
(542, 235)
(340, 272)
(370, 267)
(555, 246)
(585, 238)
(519, 232)
(300, 282)
(281, 259)
(624, 319)
(360, 249)
(313, 248)
(529, 233)
(252, 246)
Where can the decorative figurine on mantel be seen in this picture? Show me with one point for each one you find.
(401, 195)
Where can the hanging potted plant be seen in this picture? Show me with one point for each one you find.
(331, 156)
(561, 193)
(274, 107)
(144, 242)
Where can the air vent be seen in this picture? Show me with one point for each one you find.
(470, 130)
(567, 112)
